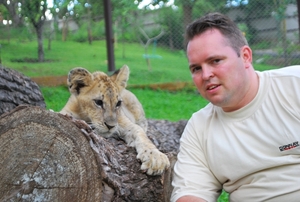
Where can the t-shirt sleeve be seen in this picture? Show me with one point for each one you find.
(192, 175)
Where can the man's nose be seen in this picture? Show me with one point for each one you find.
(207, 72)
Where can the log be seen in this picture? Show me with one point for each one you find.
(17, 89)
(46, 156)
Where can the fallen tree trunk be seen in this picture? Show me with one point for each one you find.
(17, 89)
(46, 156)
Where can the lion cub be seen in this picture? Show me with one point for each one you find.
(104, 103)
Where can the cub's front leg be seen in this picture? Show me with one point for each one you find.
(153, 161)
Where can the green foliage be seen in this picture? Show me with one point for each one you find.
(262, 45)
(35, 11)
(171, 21)
(81, 35)
(124, 29)
(3, 11)
(201, 7)
(290, 47)
(21, 33)
(246, 31)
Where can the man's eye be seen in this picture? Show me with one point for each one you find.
(119, 103)
(216, 61)
(99, 102)
(196, 69)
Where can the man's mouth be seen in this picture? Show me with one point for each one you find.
(212, 87)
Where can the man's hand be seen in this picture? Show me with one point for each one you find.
(190, 199)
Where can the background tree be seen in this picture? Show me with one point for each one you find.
(125, 21)
(4, 15)
(176, 18)
(171, 21)
(86, 13)
(35, 10)
(187, 9)
(12, 8)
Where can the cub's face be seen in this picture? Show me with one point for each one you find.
(98, 99)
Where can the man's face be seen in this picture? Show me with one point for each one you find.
(218, 72)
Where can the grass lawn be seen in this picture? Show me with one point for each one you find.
(66, 55)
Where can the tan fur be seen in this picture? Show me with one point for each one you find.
(104, 103)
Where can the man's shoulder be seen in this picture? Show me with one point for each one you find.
(284, 83)
(289, 71)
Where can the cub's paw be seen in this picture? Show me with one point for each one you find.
(154, 162)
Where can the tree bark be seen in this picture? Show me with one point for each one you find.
(39, 33)
(50, 157)
(187, 15)
(17, 89)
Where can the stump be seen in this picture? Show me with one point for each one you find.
(46, 156)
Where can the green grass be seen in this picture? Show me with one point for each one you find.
(67, 55)
(173, 106)
(55, 97)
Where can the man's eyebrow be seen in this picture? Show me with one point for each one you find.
(213, 57)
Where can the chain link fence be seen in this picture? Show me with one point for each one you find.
(272, 29)
(270, 26)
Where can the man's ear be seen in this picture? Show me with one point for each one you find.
(120, 77)
(77, 79)
(246, 54)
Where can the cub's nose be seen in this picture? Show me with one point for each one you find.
(108, 126)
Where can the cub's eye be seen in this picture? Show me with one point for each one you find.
(119, 103)
(99, 103)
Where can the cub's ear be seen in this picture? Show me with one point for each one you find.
(120, 77)
(78, 78)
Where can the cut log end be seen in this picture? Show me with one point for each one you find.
(45, 157)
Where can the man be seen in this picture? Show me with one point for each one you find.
(246, 140)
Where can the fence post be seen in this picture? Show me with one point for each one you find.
(109, 36)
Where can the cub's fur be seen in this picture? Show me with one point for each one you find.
(104, 103)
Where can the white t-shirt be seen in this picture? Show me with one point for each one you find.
(253, 152)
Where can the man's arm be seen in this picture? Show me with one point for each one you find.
(190, 199)
(192, 176)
